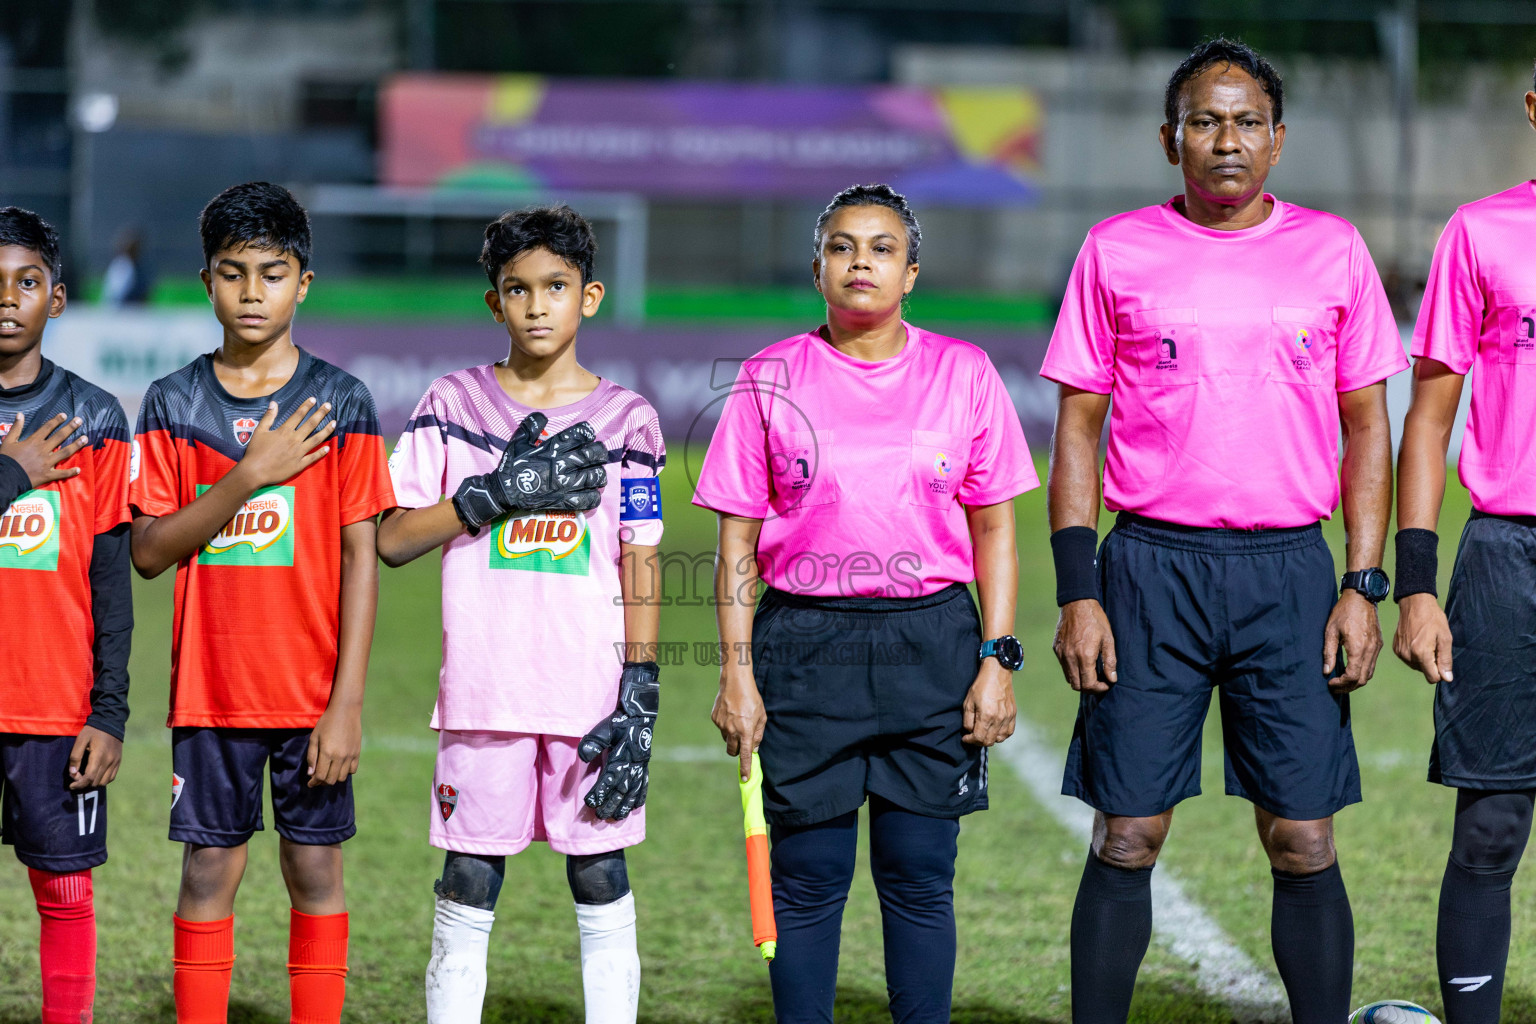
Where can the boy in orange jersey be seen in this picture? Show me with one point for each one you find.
(259, 475)
(68, 593)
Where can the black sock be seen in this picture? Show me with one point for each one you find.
(1313, 934)
(1472, 937)
(1472, 943)
(1111, 926)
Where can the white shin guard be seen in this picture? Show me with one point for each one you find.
(456, 973)
(610, 964)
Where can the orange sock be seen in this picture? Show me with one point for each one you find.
(317, 967)
(67, 944)
(204, 959)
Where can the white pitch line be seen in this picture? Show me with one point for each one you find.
(1222, 970)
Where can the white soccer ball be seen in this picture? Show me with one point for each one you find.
(1392, 1011)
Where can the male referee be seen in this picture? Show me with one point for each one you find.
(1479, 311)
(1236, 335)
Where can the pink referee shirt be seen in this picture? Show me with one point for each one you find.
(1224, 352)
(1480, 310)
(859, 470)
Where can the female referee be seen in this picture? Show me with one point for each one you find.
(865, 473)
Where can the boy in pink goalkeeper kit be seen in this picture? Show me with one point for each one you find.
(497, 681)
(1478, 316)
(544, 638)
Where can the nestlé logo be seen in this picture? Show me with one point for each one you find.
(27, 525)
(261, 522)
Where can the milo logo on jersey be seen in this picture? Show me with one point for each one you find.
(260, 534)
(556, 542)
(29, 532)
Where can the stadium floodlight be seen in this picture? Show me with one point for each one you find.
(96, 112)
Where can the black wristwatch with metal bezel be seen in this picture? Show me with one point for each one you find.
(1006, 649)
(1372, 584)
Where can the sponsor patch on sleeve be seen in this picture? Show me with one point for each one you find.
(639, 498)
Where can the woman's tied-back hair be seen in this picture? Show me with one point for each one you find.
(873, 195)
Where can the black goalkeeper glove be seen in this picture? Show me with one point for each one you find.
(563, 474)
(626, 735)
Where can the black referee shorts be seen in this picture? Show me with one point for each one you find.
(1239, 611)
(866, 696)
(1485, 719)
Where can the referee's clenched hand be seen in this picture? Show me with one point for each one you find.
(1354, 630)
(1423, 637)
(1083, 639)
(989, 712)
(739, 714)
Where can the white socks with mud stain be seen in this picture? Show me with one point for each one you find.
(456, 973)
(610, 965)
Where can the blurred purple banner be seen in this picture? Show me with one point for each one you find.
(722, 140)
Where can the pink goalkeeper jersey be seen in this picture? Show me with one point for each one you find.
(532, 613)
(1480, 310)
(859, 470)
(1224, 353)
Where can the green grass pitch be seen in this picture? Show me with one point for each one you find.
(1017, 875)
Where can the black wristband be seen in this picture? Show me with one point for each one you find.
(1077, 577)
(1418, 562)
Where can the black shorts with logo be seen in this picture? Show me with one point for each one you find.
(216, 788)
(1239, 611)
(866, 695)
(1485, 717)
(51, 827)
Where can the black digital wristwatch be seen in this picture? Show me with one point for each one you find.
(1007, 650)
(1372, 584)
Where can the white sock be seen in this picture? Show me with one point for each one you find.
(456, 973)
(610, 966)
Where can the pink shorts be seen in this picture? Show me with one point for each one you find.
(493, 793)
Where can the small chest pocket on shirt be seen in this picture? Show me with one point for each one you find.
(1303, 346)
(801, 465)
(937, 468)
(1515, 321)
(1161, 347)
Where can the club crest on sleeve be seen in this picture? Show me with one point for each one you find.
(447, 799)
(244, 427)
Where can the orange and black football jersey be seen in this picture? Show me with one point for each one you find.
(47, 634)
(255, 633)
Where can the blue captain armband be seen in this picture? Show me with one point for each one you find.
(639, 498)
